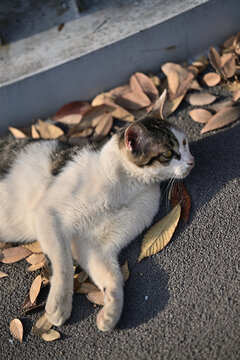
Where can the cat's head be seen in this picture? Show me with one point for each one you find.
(156, 147)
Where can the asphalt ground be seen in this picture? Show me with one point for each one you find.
(182, 303)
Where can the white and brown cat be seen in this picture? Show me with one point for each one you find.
(88, 204)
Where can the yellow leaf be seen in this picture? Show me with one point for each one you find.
(35, 288)
(158, 236)
(16, 329)
(42, 325)
(51, 335)
(34, 247)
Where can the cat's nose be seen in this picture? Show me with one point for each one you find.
(191, 161)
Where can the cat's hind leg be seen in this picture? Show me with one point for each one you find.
(57, 248)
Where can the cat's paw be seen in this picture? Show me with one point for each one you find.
(105, 322)
(59, 309)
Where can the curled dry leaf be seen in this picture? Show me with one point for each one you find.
(3, 274)
(195, 85)
(133, 101)
(236, 95)
(222, 118)
(173, 81)
(27, 302)
(92, 118)
(50, 335)
(201, 63)
(200, 99)
(172, 105)
(86, 288)
(72, 119)
(4, 245)
(34, 247)
(81, 133)
(221, 105)
(229, 66)
(35, 288)
(36, 266)
(49, 131)
(78, 279)
(42, 325)
(118, 112)
(35, 258)
(200, 115)
(182, 72)
(74, 107)
(215, 59)
(16, 329)
(34, 132)
(160, 234)
(96, 297)
(103, 127)
(14, 254)
(179, 195)
(211, 79)
(125, 271)
(141, 82)
(16, 132)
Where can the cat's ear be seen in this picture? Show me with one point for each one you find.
(135, 137)
(157, 110)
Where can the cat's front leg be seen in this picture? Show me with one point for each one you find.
(105, 272)
(57, 248)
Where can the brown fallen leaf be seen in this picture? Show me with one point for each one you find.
(221, 105)
(229, 42)
(184, 86)
(34, 247)
(228, 66)
(133, 101)
(3, 274)
(92, 118)
(222, 118)
(31, 308)
(103, 127)
(81, 133)
(4, 245)
(78, 279)
(72, 119)
(215, 59)
(16, 329)
(159, 235)
(16, 132)
(14, 254)
(34, 132)
(200, 115)
(36, 266)
(117, 111)
(34, 259)
(74, 107)
(201, 63)
(236, 95)
(86, 288)
(200, 99)
(42, 325)
(155, 79)
(96, 297)
(125, 271)
(211, 79)
(50, 335)
(232, 85)
(195, 85)
(35, 288)
(182, 72)
(173, 81)
(179, 195)
(27, 302)
(141, 82)
(49, 131)
(171, 105)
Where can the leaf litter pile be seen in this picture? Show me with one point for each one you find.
(80, 122)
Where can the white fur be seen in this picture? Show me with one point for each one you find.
(95, 207)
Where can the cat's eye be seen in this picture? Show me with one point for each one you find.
(184, 142)
(167, 154)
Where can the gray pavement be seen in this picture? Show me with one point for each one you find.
(182, 303)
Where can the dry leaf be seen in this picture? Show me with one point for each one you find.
(50, 335)
(171, 105)
(229, 66)
(27, 302)
(200, 99)
(35, 258)
(103, 128)
(72, 119)
(184, 86)
(42, 325)
(229, 42)
(232, 85)
(82, 133)
(200, 115)
(16, 132)
(236, 95)
(158, 236)
(222, 118)
(16, 329)
(49, 131)
(125, 271)
(133, 101)
(155, 79)
(32, 307)
(145, 84)
(35, 288)
(221, 105)
(211, 79)
(179, 195)
(201, 63)
(34, 247)
(36, 266)
(75, 107)
(195, 85)
(173, 81)
(14, 254)
(117, 111)
(34, 132)
(92, 118)
(215, 59)
(86, 288)
(181, 71)
(3, 274)
(96, 297)
(78, 279)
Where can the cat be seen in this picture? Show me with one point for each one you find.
(87, 203)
